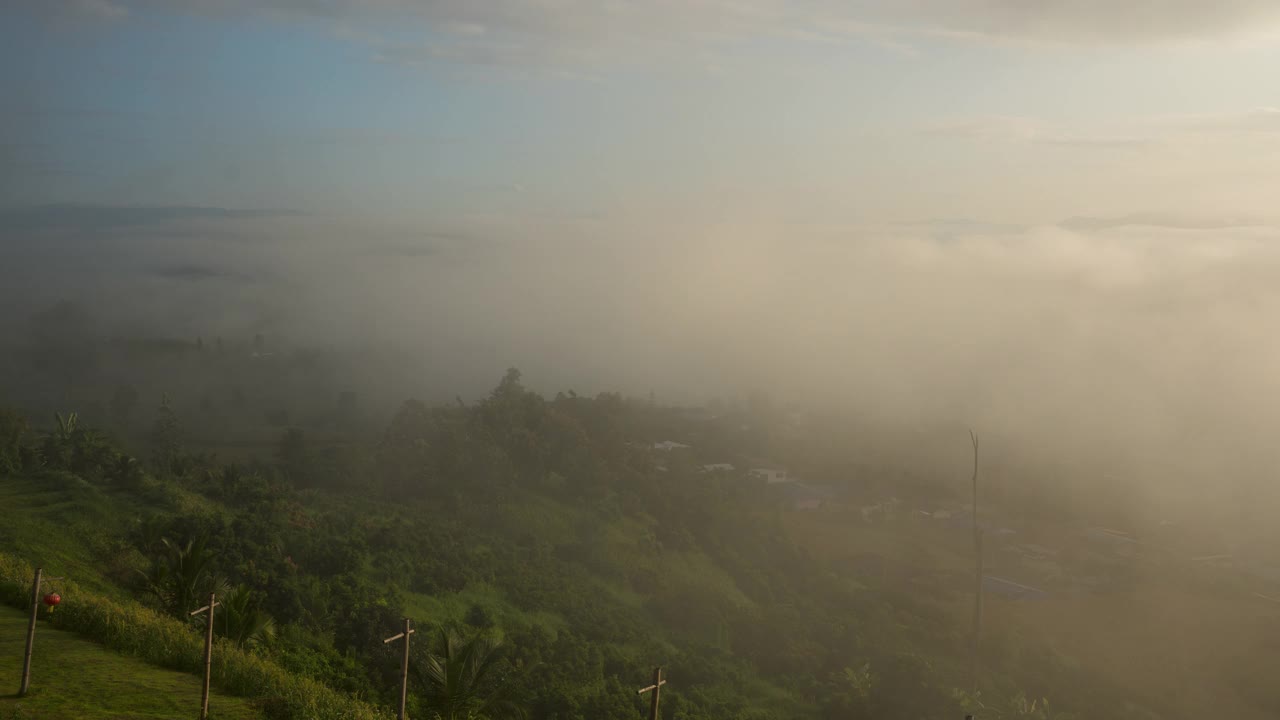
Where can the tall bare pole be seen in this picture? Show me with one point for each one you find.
(208, 654)
(31, 634)
(977, 554)
(404, 667)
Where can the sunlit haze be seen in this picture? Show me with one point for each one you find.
(1055, 223)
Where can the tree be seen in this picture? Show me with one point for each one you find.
(58, 448)
(64, 426)
(166, 436)
(181, 576)
(462, 683)
(242, 618)
(13, 427)
(848, 693)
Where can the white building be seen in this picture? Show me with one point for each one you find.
(772, 476)
(669, 445)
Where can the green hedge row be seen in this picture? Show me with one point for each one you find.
(143, 633)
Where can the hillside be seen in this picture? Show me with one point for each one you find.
(552, 534)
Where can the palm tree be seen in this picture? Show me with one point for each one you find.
(91, 452)
(461, 683)
(181, 576)
(72, 446)
(66, 425)
(242, 618)
(56, 450)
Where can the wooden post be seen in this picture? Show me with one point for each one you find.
(31, 635)
(655, 688)
(977, 553)
(977, 590)
(404, 671)
(404, 667)
(208, 654)
(657, 691)
(208, 660)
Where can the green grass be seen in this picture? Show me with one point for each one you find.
(453, 607)
(61, 523)
(75, 678)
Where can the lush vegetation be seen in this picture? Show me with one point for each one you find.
(549, 555)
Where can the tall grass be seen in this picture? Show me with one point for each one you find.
(134, 630)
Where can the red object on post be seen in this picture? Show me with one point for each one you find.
(52, 599)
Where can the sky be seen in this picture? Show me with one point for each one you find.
(810, 111)
(1053, 221)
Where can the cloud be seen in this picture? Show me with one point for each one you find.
(1084, 224)
(1084, 21)
(1103, 341)
(443, 245)
(193, 272)
(516, 33)
(1036, 132)
(1129, 134)
(1262, 120)
(35, 218)
(81, 10)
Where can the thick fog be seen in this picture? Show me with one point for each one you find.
(1132, 351)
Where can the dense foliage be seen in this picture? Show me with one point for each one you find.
(554, 557)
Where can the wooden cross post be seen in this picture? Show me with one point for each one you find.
(31, 632)
(208, 654)
(656, 688)
(404, 666)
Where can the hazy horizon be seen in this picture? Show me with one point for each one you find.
(1057, 227)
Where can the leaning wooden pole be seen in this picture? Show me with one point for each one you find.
(404, 672)
(31, 634)
(208, 659)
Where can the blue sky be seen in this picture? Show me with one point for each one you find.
(829, 112)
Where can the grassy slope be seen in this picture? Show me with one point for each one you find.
(76, 678)
(60, 525)
(68, 526)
